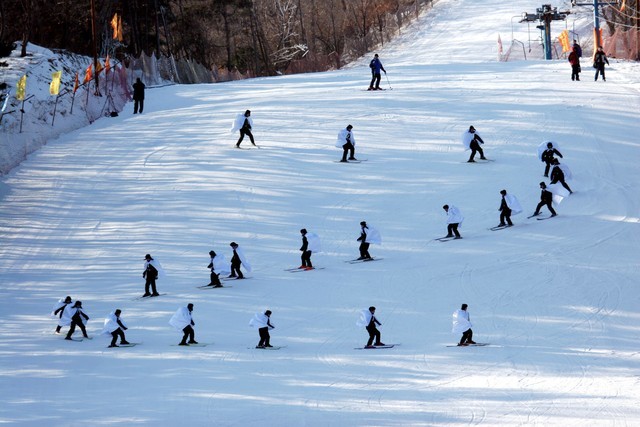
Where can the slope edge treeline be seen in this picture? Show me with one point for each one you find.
(259, 37)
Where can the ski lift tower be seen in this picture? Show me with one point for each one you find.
(596, 16)
(545, 15)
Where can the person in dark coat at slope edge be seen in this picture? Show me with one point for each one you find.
(138, 96)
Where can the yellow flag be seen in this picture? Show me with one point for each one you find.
(54, 87)
(21, 89)
(564, 41)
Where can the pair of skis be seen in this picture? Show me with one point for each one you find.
(447, 238)
(131, 344)
(351, 161)
(148, 297)
(298, 269)
(478, 344)
(358, 261)
(540, 219)
(213, 287)
(500, 227)
(376, 347)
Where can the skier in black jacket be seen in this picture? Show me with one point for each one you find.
(557, 175)
(150, 274)
(474, 144)
(215, 279)
(505, 211)
(546, 198)
(59, 309)
(364, 245)
(236, 262)
(548, 157)
(77, 315)
(306, 253)
(374, 333)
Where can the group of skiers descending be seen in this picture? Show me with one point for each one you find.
(556, 190)
(72, 314)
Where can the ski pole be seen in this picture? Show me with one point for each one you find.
(385, 74)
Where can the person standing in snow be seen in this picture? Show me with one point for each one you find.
(557, 175)
(263, 323)
(454, 219)
(369, 321)
(599, 60)
(306, 253)
(376, 66)
(150, 274)
(244, 123)
(577, 49)
(574, 60)
(115, 326)
(347, 142)
(215, 262)
(58, 310)
(368, 235)
(505, 211)
(472, 140)
(138, 96)
(75, 316)
(182, 320)
(546, 198)
(238, 259)
(548, 156)
(462, 325)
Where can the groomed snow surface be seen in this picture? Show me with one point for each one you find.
(557, 299)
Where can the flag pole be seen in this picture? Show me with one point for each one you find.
(22, 110)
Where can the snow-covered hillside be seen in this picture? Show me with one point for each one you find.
(557, 299)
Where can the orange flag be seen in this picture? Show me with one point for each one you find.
(87, 74)
(99, 67)
(114, 25)
(107, 65)
(76, 84)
